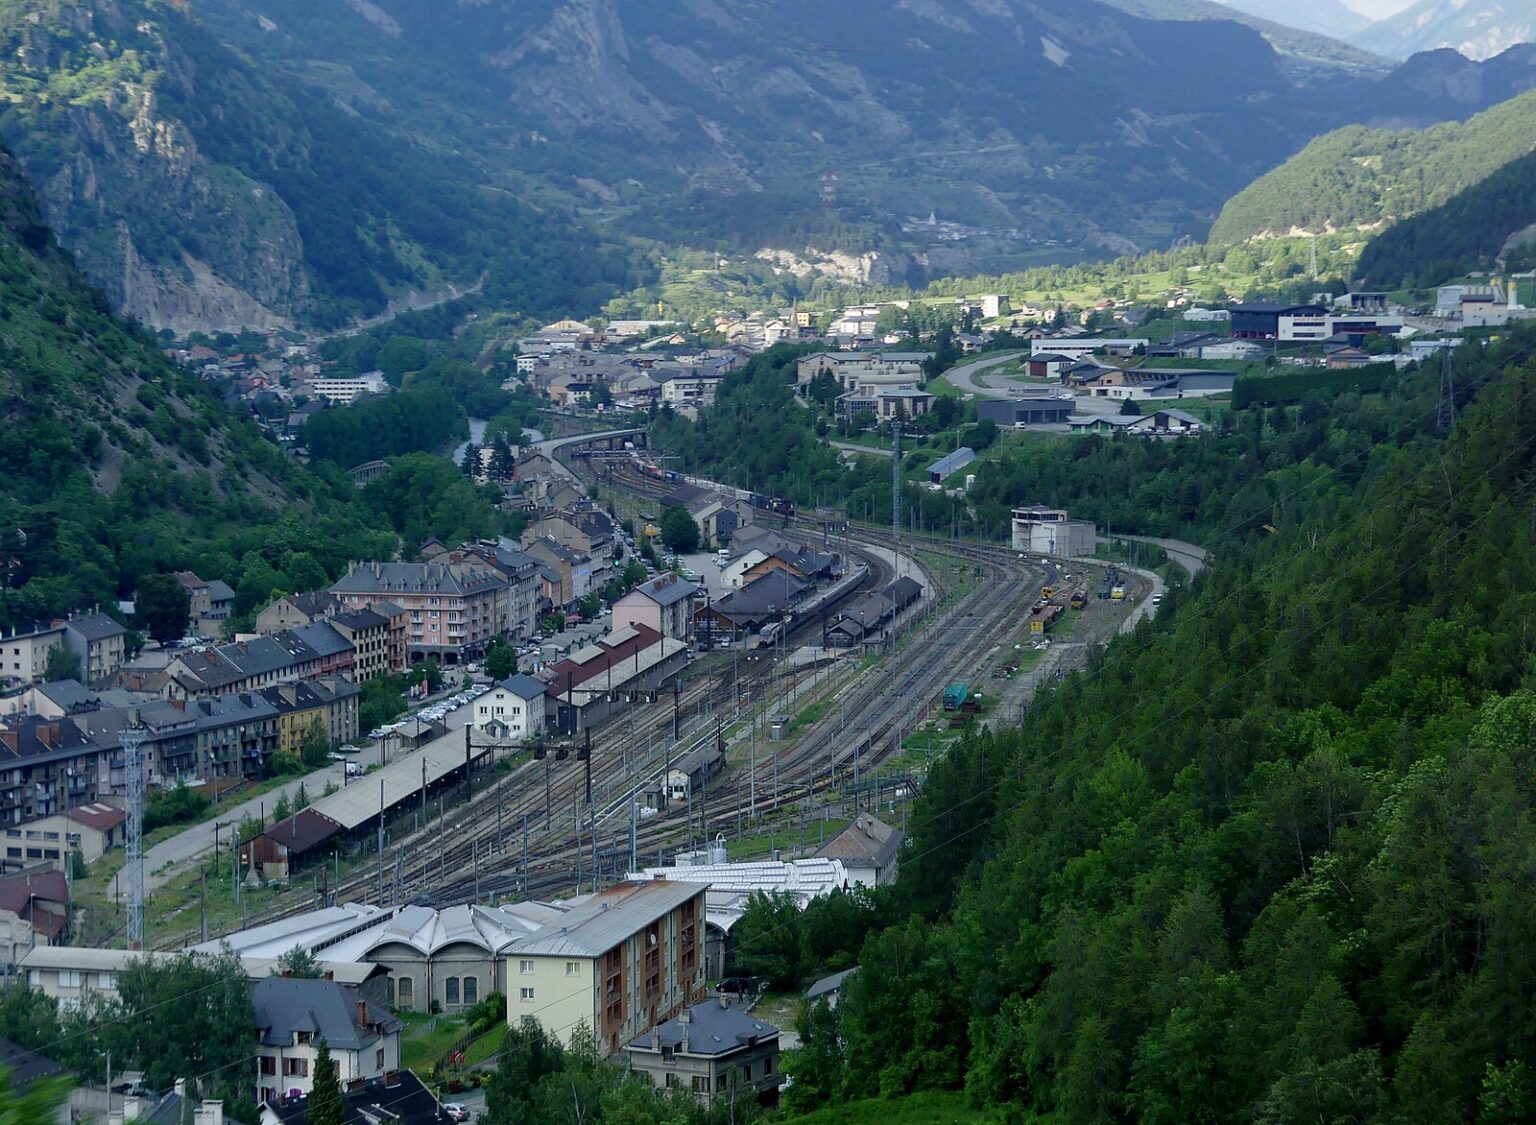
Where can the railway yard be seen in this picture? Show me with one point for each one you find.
(573, 819)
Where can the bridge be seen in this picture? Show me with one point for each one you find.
(368, 472)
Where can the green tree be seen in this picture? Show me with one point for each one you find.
(500, 660)
(325, 1104)
(315, 749)
(768, 940)
(41, 1103)
(27, 1017)
(679, 531)
(298, 963)
(162, 607)
(63, 663)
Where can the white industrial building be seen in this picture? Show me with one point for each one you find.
(1049, 531)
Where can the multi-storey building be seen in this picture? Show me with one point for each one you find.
(624, 961)
(452, 611)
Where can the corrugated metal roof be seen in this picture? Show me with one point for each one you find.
(953, 462)
(359, 802)
(607, 919)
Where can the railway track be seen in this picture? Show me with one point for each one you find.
(532, 832)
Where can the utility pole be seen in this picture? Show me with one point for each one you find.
(1447, 418)
(896, 491)
(381, 841)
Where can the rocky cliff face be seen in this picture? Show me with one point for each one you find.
(174, 239)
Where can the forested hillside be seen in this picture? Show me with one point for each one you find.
(117, 464)
(1268, 858)
(1359, 177)
(200, 192)
(1492, 220)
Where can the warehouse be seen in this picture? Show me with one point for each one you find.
(1024, 411)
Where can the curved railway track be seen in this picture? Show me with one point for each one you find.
(531, 831)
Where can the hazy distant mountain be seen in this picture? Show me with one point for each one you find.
(1325, 17)
(1478, 29)
(260, 162)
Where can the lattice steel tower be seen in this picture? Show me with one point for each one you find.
(133, 767)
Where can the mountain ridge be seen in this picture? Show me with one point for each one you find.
(1358, 177)
(1478, 29)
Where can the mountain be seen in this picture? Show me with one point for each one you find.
(198, 193)
(117, 463)
(1478, 29)
(1307, 54)
(243, 163)
(1360, 177)
(1490, 225)
(1324, 17)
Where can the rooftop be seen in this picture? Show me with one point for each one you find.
(711, 1028)
(868, 839)
(606, 919)
(327, 1010)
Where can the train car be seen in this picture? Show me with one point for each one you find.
(1079, 599)
(956, 694)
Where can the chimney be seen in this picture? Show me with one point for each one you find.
(684, 1020)
(181, 1087)
(362, 1013)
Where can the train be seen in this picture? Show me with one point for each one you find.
(775, 504)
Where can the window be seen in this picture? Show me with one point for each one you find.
(303, 1036)
(69, 978)
(406, 989)
(573, 968)
(378, 1059)
(525, 995)
(700, 1084)
(295, 1068)
(471, 989)
(107, 982)
(268, 1064)
(451, 985)
(525, 966)
(746, 1072)
(767, 1066)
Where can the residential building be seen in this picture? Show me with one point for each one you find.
(716, 1050)
(100, 643)
(24, 656)
(620, 963)
(367, 632)
(513, 709)
(334, 653)
(88, 830)
(399, 1098)
(867, 848)
(34, 910)
(665, 604)
(328, 702)
(294, 1016)
(689, 388)
(575, 568)
(297, 609)
(242, 666)
(1049, 531)
(209, 603)
(453, 611)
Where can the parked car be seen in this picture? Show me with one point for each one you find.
(455, 1111)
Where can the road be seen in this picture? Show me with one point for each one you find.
(1191, 557)
(167, 859)
(964, 376)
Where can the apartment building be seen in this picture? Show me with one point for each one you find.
(622, 962)
(452, 611)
